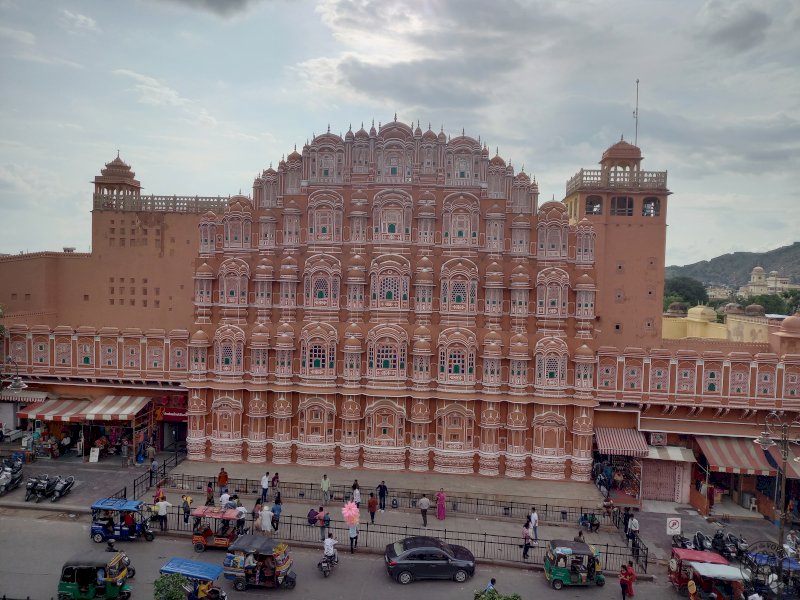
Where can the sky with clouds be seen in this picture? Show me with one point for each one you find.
(200, 95)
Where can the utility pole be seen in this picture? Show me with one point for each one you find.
(636, 117)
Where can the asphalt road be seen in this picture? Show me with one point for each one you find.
(34, 545)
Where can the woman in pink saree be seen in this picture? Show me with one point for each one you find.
(441, 509)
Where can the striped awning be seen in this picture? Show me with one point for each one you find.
(621, 442)
(734, 455)
(62, 409)
(114, 408)
(673, 453)
(29, 396)
(792, 466)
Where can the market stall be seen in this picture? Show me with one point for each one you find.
(619, 454)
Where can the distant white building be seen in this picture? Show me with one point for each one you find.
(761, 283)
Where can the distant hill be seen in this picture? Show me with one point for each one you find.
(734, 269)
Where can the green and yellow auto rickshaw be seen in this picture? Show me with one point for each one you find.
(91, 575)
(572, 563)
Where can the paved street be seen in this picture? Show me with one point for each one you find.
(35, 544)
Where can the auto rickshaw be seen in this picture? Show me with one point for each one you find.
(718, 582)
(214, 527)
(120, 519)
(201, 577)
(254, 560)
(572, 563)
(680, 569)
(94, 575)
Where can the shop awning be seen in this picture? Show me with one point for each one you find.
(734, 455)
(621, 442)
(114, 408)
(29, 396)
(673, 453)
(63, 409)
(792, 467)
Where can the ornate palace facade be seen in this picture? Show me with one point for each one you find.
(396, 299)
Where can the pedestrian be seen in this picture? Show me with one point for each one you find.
(626, 517)
(158, 494)
(150, 452)
(321, 523)
(161, 511)
(631, 578)
(257, 509)
(210, 494)
(372, 507)
(241, 519)
(526, 539)
(265, 487)
(153, 470)
(277, 509)
(490, 586)
(224, 498)
(441, 504)
(594, 523)
(276, 481)
(424, 504)
(353, 533)
(266, 521)
(357, 495)
(534, 517)
(579, 537)
(633, 527)
(187, 508)
(325, 486)
(623, 581)
(222, 480)
(383, 491)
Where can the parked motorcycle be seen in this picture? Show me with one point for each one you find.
(720, 545)
(701, 541)
(327, 564)
(739, 542)
(30, 486)
(63, 486)
(10, 476)
(45, 487)
(125, 558)
(679, 541)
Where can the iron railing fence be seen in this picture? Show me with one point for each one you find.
(485, 546)
(405, 498)
(149, 478)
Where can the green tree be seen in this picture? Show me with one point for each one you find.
(792, 299)
(495, 595)
(772, 303)
(689, 290)
(170, 587)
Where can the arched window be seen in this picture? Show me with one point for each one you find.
(552, 293)
(390, 280)
(651, 207)
(229, 351)
(456, 357)
(551, 363)
(325, 217)
(594, 205)
(459, 286)
(386, 353)
(461, 220)
(392, 217)
(318, 351)
(234, 275)
(208, 234)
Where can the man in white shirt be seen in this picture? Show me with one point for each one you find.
(633, 527)
(223, 499)
(161, 508)
(534, 517)
(424, 504)
(330, 547)
(325, 486)
(265, 488)
(241, 516)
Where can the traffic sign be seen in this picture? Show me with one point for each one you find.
(673, 526)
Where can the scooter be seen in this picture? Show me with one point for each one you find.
(327, 564)
(63, 486)
(722, 546)
(125, 558)
(45, 487)
(30, 486)
(679, 541)
(10, 476)
(702, 541)
(739, 542)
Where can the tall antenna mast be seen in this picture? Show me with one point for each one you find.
(636, 117)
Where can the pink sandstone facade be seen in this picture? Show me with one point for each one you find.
(393, 299)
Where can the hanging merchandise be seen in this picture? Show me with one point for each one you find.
(350, 514)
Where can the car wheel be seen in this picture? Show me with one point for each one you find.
(98, 537)
(149, 536)
(289, 583)
(557, 584)
(240, 585)
(405, 578)
(198, 547)
(600, 582)
(460, 576)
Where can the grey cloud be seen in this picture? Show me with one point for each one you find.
(220, 8)
(734, 26)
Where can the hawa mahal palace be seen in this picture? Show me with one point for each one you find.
(391, 299)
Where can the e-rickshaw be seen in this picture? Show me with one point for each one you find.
(718, 582)
(572, 563)
(120, 519)
(94, 575)
(762, 569)
(210, 534)
(680, 566)
(254, 560)
(201, 577)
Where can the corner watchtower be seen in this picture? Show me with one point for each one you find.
(628, 209)
(116, 179)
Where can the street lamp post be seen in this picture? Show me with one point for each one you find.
(787, 432)
(9, 377)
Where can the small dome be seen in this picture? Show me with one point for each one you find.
(773, 273)
(352, 345)
(349, 135)
(285, 329)
(199, 336)
(497, 161)
(429, 136)
(359, 195)
(518, 340)
(442, 137)
(732, 308)
(205, 269)
(759, 270)
(676, 309)
(754, 310)
(289, 263)
(791, 325)
(422, 332)
(357, 262)
(294, 156)
(418, 131)
(423, 276)
(492, 338)
(259, 335)
(353, 330)
(585, 280)
(361, 134)
(585, 351)
(702, 313)
(622, 149)
(425, 263)
(422, 347)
